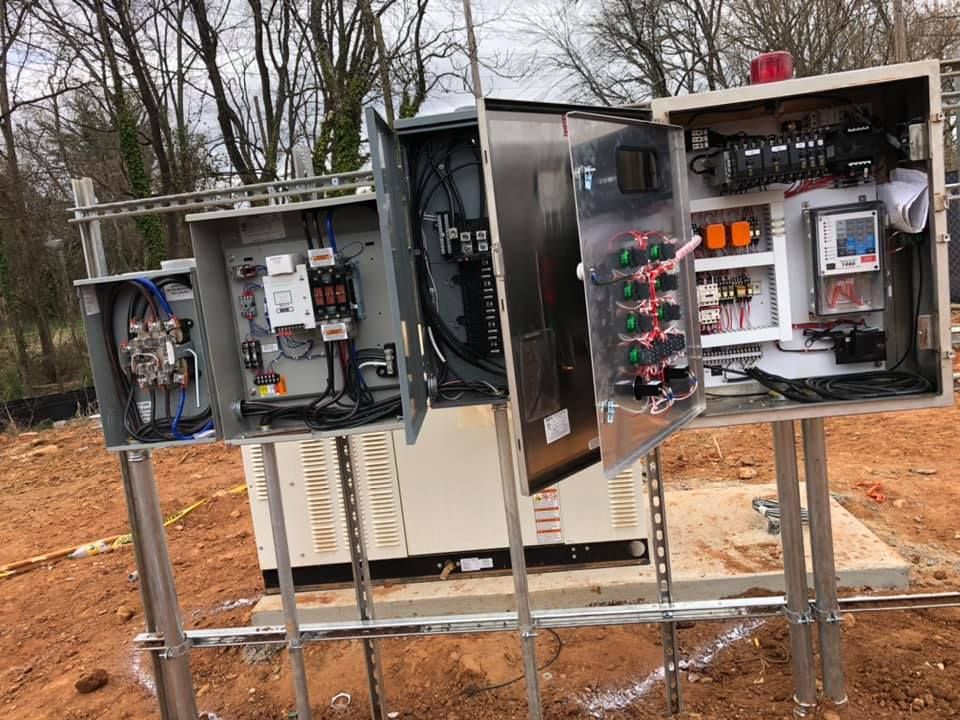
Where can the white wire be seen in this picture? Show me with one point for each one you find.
(433, 342)
(196, 365)
(372, 363)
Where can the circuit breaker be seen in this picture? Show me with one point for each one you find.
(148, 353)
(302, 302)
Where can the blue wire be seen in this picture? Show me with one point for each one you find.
(353, 358)
(175, 426)
(157, 292)
(330, 233)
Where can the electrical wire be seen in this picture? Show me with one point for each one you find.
(499, 686)
(916, 313)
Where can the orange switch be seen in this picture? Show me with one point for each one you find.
(715, 236)
(740, 234)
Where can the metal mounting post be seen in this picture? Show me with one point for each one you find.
(660, 557)
(827, 606)
(144, 584)
(157, 572)
(794, 568)
(361, 577)
(171, 677)
(518, 563)
(288, 597)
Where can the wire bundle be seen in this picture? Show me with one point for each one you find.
(352, 405)
(855, 386)
(435, 173)
(149, 297)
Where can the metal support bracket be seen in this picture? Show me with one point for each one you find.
(831, 616)
(175, 651)
(798, 618)
(362, 583)
(660, 557)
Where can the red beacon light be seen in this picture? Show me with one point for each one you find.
(771, 67)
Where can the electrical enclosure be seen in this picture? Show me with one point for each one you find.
(811, 301)
(502, 177)
(302, 304)
(429, 177)
(149, 356)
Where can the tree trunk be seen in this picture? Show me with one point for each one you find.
(48, 350)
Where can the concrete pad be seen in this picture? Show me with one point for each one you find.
(720, 547)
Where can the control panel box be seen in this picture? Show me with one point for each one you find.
(149, 356)
(302, 302)
(820, 314)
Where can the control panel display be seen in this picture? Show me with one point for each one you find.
(848, 242)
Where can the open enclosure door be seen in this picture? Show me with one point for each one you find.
(398, 259)
(536, 250)
(629, 182)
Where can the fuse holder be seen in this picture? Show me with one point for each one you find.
(715, 236)
(741, 234)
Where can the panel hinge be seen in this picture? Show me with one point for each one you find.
(943, 238)
(937, 117)
(939, 202)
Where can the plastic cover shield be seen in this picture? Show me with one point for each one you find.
(635, 239)
(394, 229)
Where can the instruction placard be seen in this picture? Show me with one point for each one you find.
(556, 426)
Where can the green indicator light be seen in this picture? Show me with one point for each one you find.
(631, 323)
(634, 356)
(655, 252)
(626, 260)
(628, 290)
(660, 312)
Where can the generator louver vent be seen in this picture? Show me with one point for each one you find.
(319, 471)
(378, 468)
(256, 467)
(623, 500)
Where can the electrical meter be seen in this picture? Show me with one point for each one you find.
(847, 244)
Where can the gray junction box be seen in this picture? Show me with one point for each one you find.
(150, 358)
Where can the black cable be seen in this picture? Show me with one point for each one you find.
(499, 686)
(850, 387)
(916, 313)
(869, 385)
(306, 231)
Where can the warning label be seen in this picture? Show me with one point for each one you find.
(546, 515)
(556, 426)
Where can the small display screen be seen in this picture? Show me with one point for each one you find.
(637, 169)
(856, 236)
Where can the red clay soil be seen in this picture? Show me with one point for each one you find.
(60, 621)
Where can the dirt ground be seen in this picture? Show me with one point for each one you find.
(60, 488)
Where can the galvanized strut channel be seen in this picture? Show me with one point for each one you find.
(711, 611)
(362, 584)
(660, 557)
(276, 192)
